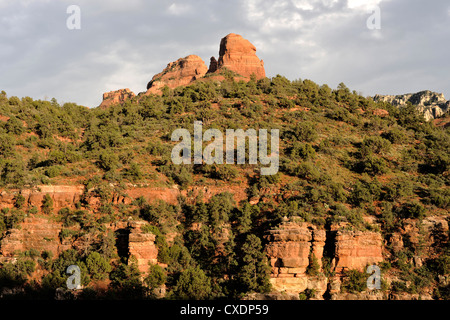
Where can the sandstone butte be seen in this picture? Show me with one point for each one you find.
(236, 54)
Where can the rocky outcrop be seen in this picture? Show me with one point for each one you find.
(34, 233)
(289, 250)
(141, 246)
(62, 196)
(238, 55)
(213, 65)
(292, 246)
(357, 249)
(178, 73)
(235, 54)
(117, 96)
(431, 104)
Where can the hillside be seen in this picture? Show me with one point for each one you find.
(360, 182)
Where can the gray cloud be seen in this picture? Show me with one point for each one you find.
(124, 45)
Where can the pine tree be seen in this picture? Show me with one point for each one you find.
(193, 284)
(254, 272)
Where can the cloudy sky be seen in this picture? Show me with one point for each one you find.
(122, 44)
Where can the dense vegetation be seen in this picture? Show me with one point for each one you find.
(339, 162)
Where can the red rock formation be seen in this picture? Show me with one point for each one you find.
(62, 196)
(142, 246)
(212, 65)
(150, 194)
(117, 96)
(239, 55)
(34, 233)
(289, 248)
(357, 249)
(178, 73)
(291, 244)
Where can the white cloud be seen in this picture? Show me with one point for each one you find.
(363, 4)
(178, 9)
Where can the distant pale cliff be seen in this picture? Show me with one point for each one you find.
(431, 104)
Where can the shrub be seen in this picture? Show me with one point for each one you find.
(47, 204)
(440, 198)
(413, 210)
(108, 161)
(302, 150)
(307, 294)
(19, 201)
(226, 172)
(313, 267)
(134, 172)
(339, 114)
(395, 135)
(397, 189)
(307, 170)
(354, 281)
(53, 171)
(375, 144)
(180, 174)
(305, 131)
(371, 165)
(156, 148)
(14, 126)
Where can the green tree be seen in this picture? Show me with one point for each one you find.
(126, 282)
(193, 284)
(313, 267)
(98, 266)
(156, 277)
(375, 144)
(253, 272)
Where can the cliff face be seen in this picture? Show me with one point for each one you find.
(431, 104)
(289, 248)
(292, 245)
(357, 249)
(62, 196)
(34, 233)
